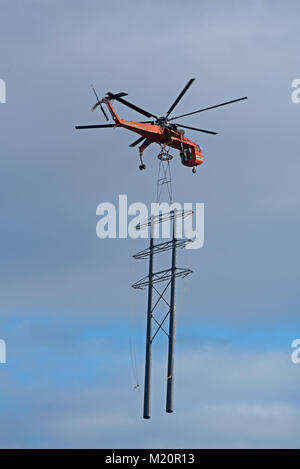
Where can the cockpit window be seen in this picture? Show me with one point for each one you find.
(198, 148)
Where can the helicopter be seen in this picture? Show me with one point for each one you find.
(161, 130)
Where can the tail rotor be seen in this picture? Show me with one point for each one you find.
(98, 103)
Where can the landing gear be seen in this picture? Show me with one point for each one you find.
(194, 170)
(142, 165)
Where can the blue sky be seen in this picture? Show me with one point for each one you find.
(65, 297)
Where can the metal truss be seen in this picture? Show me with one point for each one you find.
(151, 280)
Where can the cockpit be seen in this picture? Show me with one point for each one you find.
(186, 155)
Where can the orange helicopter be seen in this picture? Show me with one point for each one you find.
(161, 130)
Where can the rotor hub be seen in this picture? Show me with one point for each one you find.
(162, 120)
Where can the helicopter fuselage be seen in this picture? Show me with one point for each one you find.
(162, 130)
(162, 133)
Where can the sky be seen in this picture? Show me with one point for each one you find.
(68, 314)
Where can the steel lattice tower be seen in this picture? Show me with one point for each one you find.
(167, 278)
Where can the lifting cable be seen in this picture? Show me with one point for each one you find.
(164, 178)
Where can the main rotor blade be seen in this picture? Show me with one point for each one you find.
(136, 142)
(135, 108)
(180, 96)
(210, 107)
(199, 130)
(101, 126)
